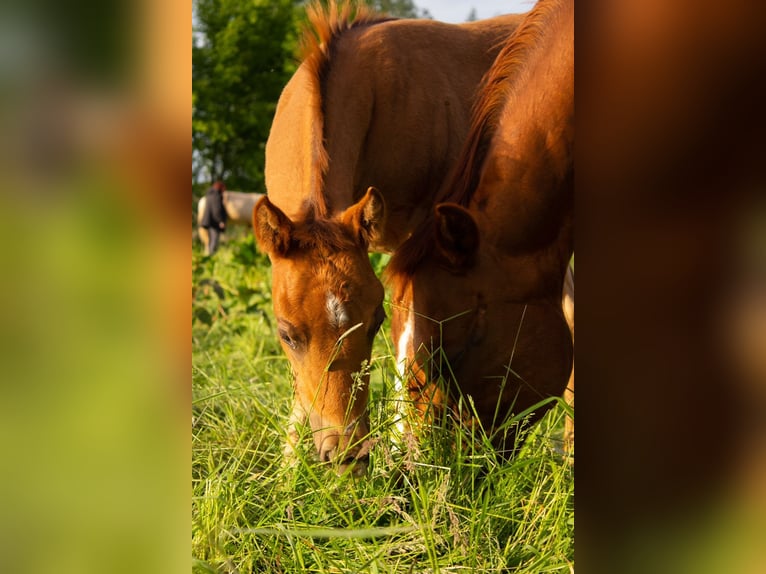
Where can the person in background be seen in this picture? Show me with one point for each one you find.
(214, 219)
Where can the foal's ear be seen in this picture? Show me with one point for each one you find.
(367, 217)
(272, 228)
(457, 235)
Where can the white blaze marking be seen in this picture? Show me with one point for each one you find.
(336, 311)
(403, 345)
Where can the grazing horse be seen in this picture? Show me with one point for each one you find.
(238, 206)
(477, 291)
(377, 104)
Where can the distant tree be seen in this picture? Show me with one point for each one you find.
(472, 15)
(242, 56)
(399, 8)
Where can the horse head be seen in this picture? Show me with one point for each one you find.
(328, 306)
(471, 318)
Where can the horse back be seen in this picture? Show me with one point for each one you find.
(391, 111)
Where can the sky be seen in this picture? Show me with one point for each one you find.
(457, 10)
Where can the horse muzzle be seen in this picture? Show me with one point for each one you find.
(347, 451)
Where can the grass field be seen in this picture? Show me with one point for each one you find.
(451, 507)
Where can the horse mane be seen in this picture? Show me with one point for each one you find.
(493, 93)
(496, 88)
(327, 21)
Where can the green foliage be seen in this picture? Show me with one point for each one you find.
(242, 56)
(398, 8)
(379, 262)
(441, 504)
(243, 53)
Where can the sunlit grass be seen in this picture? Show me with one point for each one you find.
(444, 504)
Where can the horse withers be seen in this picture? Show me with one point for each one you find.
(477, 292)
(377, 103)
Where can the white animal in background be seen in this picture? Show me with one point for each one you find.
(238, 206)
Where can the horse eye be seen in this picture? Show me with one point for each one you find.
(288, 340)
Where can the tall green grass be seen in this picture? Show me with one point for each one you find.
(443, 504)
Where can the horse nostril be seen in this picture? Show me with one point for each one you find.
(335, 450)
(357, 466)
(327, 455)
(327, 448)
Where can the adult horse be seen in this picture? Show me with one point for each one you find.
(376, 102)
(481, 283)
(238, 206)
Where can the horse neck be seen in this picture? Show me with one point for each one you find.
(525, 185)
(294, 155)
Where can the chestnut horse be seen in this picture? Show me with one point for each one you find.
(481, 283)
(376, 102)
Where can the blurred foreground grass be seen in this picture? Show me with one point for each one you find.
(446, 507)
(94, 343)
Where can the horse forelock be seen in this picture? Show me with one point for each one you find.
(326, 23)
(322, 237)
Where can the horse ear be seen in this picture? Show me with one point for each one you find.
(368, 217)
(457, 235)
(272, 228)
